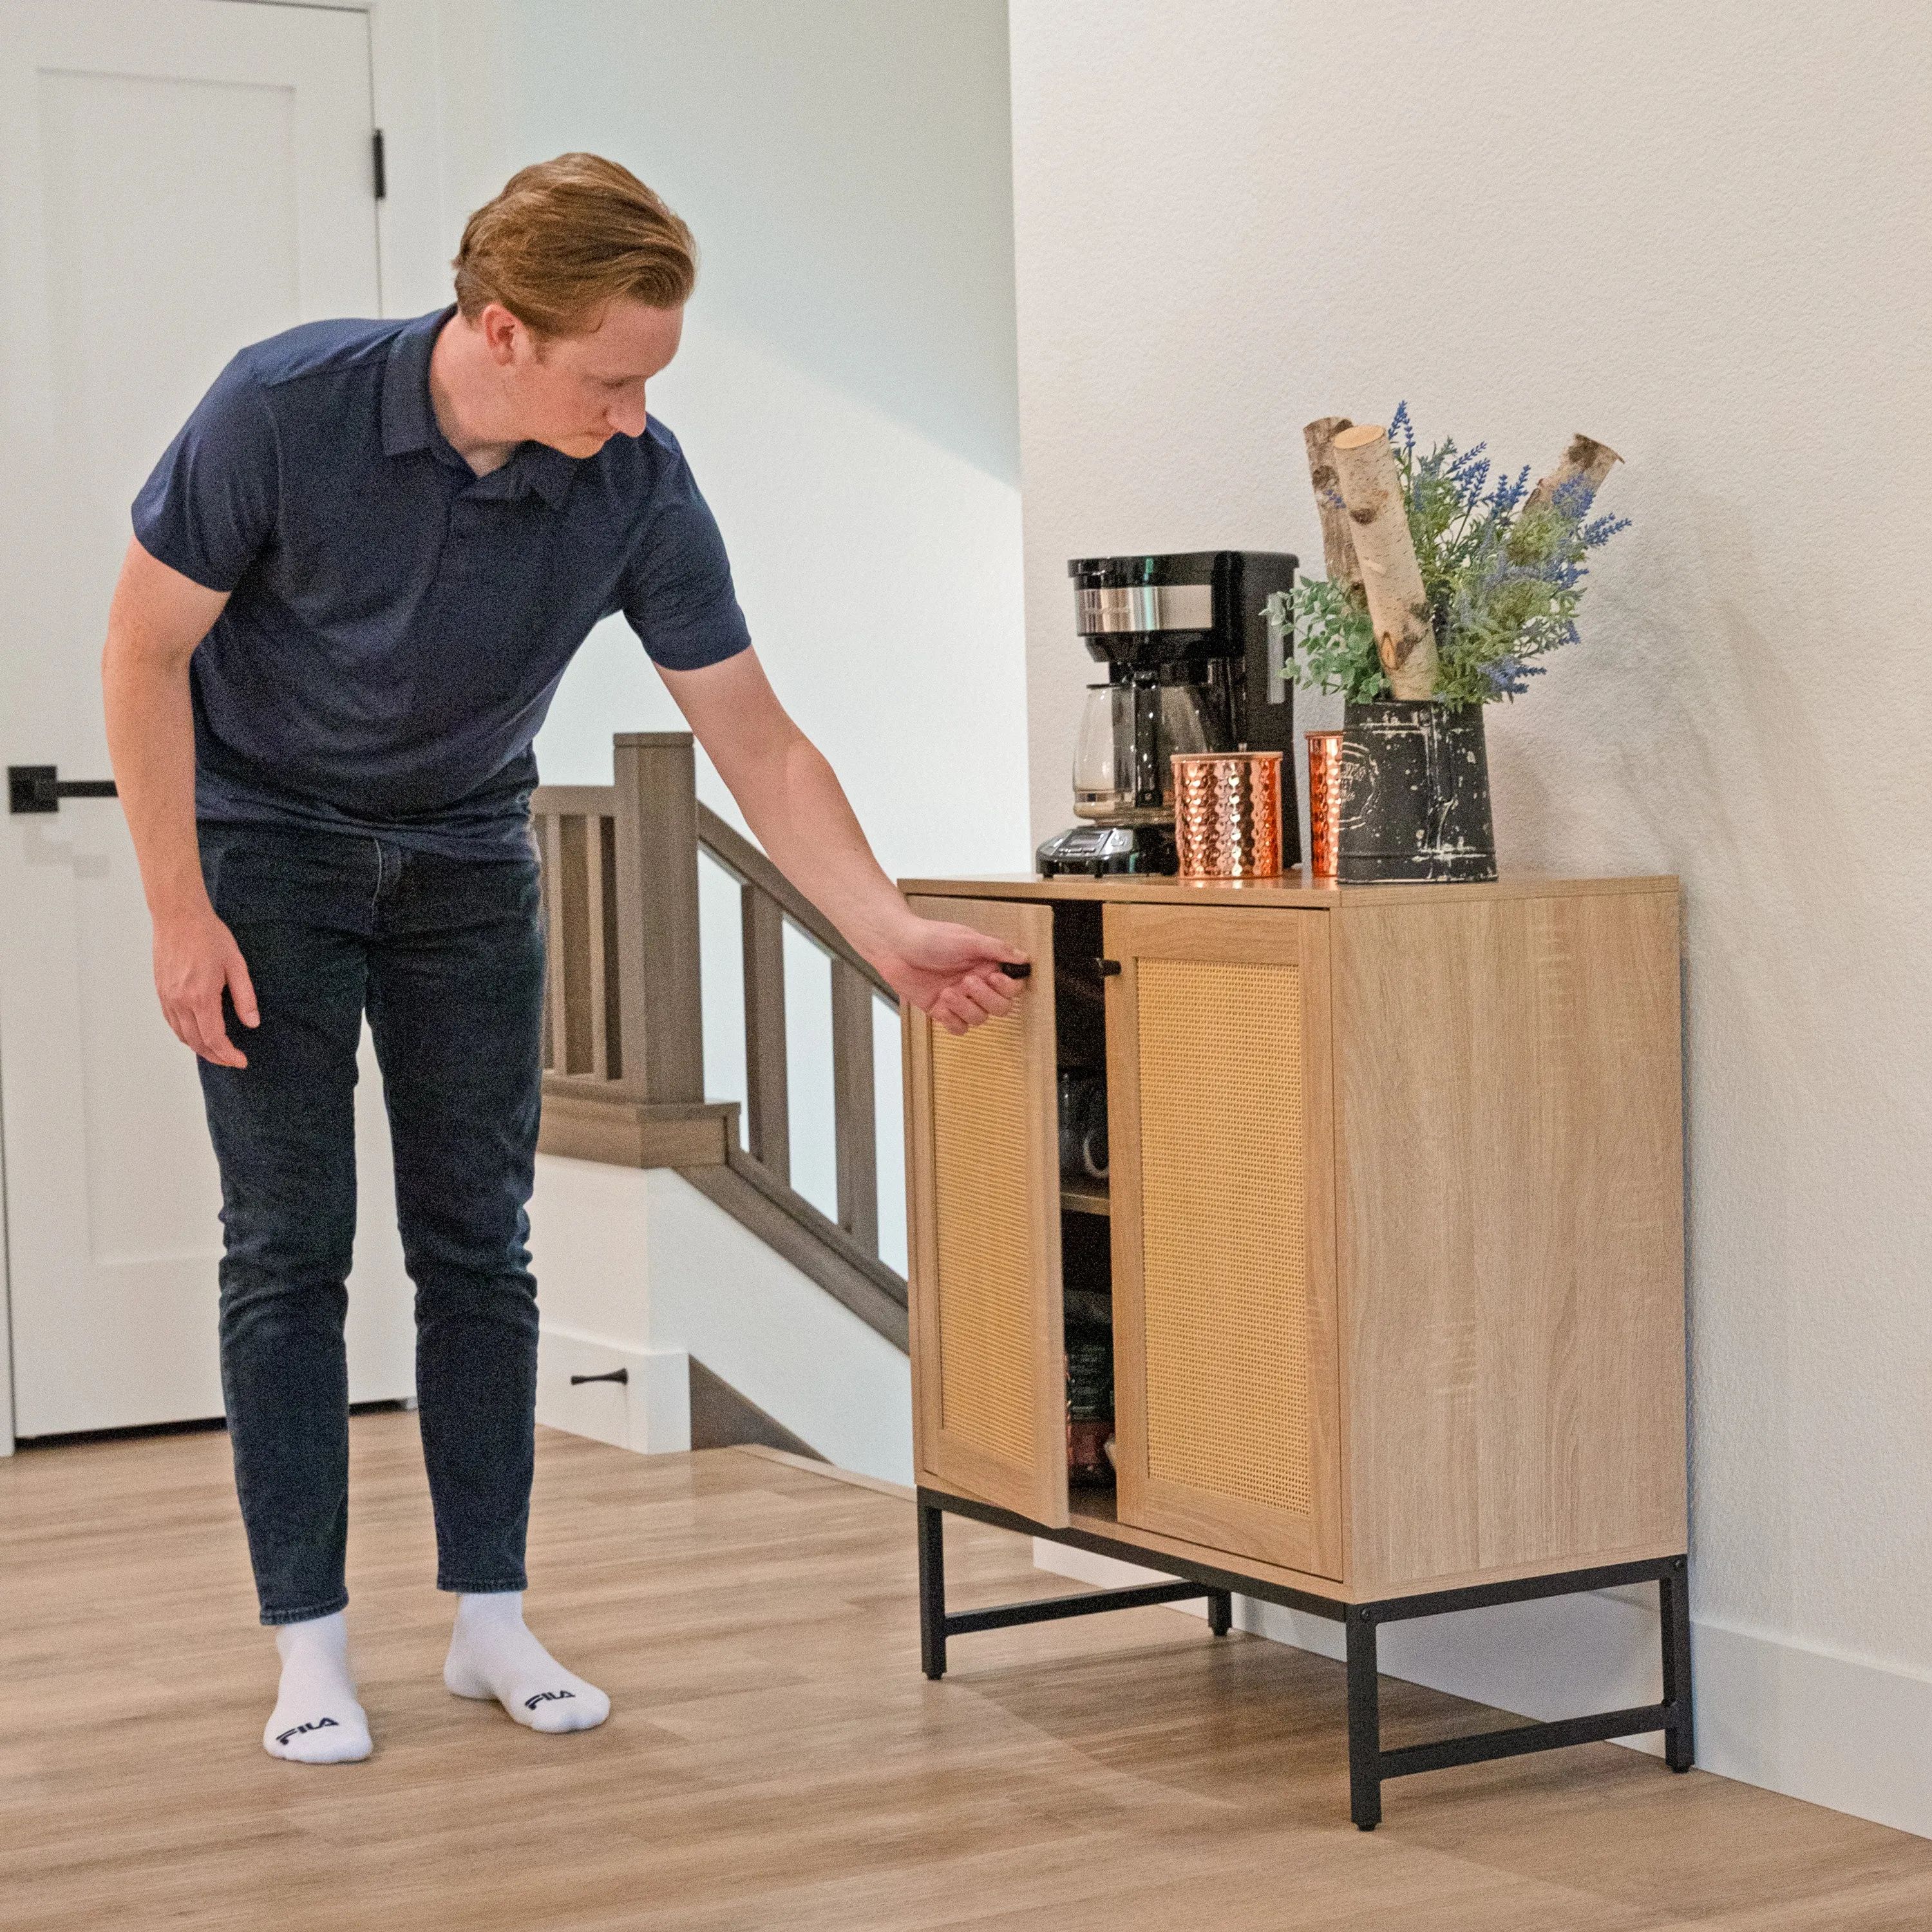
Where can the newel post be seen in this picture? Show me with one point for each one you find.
(657, 960)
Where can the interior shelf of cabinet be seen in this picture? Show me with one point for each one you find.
(1097, 1503)
(1084, 1197)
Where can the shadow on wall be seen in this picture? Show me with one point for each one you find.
(721, 1418)
(1684, 742)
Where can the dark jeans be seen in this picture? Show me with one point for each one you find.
(446, 957)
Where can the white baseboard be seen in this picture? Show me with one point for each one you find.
(1838, 1731)
(1844, 1732)
(649, 1411)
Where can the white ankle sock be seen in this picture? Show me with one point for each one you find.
(492, 1653)
(317, 1719)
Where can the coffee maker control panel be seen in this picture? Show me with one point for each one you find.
(1098, 849)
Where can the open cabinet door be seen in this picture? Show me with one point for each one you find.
(989, 1391)
(1226, 1386)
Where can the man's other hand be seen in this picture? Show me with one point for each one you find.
(950, 972)
(196, 961)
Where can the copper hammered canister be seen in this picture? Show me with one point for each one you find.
(1324, 801)
(1227, 814)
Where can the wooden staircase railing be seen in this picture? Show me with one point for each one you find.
(623, 1018)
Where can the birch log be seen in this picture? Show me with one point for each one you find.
(1391, 578)
(1585, 457)
(1338, 546)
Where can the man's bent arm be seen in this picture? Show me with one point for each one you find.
(157, 618)
(792, 800)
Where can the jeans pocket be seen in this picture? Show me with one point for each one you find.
(257, 873)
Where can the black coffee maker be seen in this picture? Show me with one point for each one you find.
(1193, 664)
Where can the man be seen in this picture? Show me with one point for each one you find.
(358, 574)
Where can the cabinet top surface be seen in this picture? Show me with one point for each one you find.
(1294, 888)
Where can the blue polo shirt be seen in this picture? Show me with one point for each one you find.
(396, 625)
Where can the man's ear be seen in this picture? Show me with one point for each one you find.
(500, 330)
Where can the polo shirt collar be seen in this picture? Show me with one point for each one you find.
(409, 424)
(549, 472)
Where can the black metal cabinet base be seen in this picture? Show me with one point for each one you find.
(1369, 1764)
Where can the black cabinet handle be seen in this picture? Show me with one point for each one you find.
(39, 788)
(611, 1375)
(1107, 968)
(1023, 971)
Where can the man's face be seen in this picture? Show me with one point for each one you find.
(575, 392)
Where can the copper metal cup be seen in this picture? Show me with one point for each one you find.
(1227, 814)
(1325, 802)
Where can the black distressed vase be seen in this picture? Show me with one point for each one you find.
(1415, 794)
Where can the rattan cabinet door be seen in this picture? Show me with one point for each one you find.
(989, 1360)
(1226, 1388)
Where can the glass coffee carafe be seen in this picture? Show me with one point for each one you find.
(1130, 731)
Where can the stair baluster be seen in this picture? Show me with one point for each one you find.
(623, 1019)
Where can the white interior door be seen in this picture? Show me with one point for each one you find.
(178, 178)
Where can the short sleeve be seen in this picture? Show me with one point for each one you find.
(208, 510)
(677, 593)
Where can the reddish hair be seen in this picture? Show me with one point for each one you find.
(567, 237)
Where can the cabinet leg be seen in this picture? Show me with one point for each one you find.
(1673, 1592)
(1365, 1721)
(1220, 1611)
(931, 1590)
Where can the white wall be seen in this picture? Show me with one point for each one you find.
(1699, 233)
(846, 395)
(718, 1293)
(638, 1270)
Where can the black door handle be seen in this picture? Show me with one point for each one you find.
(38, 788)
(610, 1375)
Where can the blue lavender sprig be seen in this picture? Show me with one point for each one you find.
(1502, 577)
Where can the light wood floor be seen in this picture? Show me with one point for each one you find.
(775, 1758)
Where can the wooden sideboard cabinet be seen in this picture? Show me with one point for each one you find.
(1392, 1237)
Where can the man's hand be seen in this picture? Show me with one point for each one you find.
(950, 972)
(196, 961)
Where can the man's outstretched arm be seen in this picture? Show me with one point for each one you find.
(791, 800)
(157, 617)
